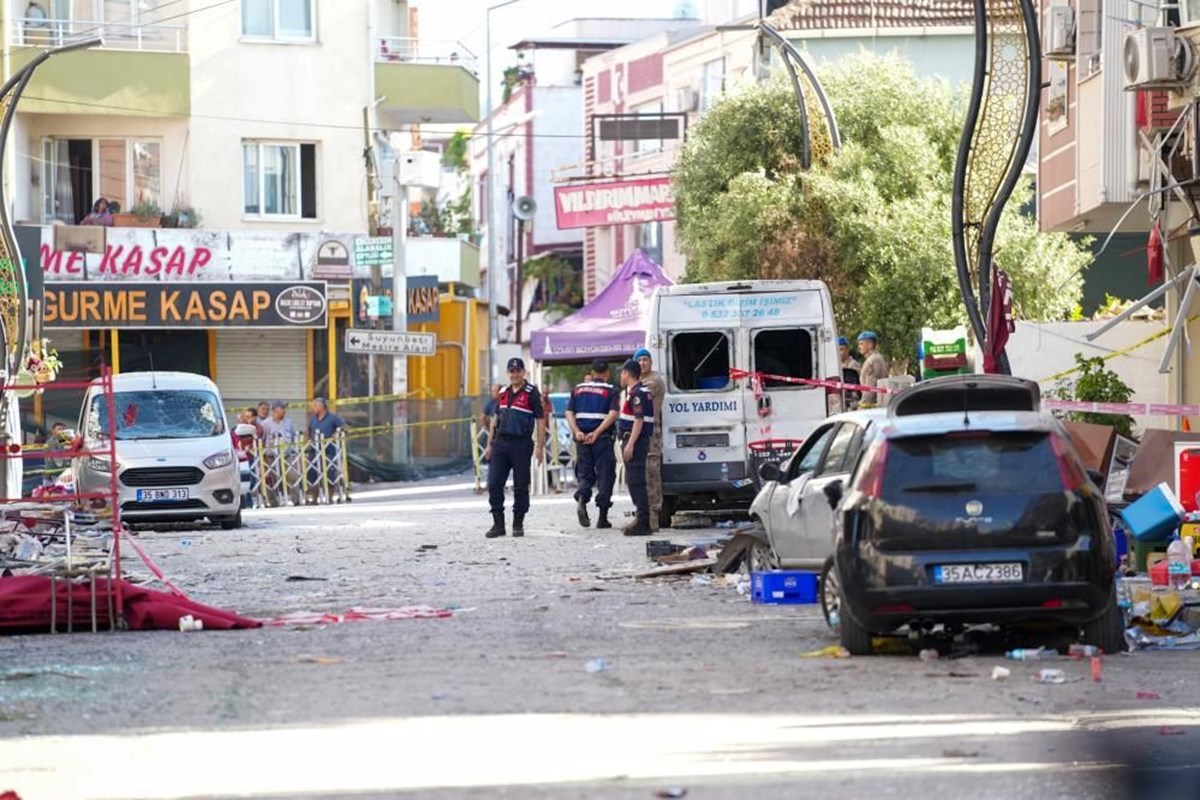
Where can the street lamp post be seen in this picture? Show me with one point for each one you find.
(493, 239)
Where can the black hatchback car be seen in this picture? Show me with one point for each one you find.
(969, 507)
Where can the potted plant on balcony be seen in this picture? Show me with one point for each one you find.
(146, 214)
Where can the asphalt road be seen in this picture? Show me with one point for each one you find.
(698, 690)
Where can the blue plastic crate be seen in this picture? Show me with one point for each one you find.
(1154, 516)
(782, 588)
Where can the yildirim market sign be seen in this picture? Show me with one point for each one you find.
(123, 304)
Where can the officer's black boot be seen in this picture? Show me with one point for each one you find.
(603, 522)
(518, 525)
(639, 528)
(581, 511)
(497, 529)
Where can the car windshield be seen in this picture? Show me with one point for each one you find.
(984, 462)
(159, 414)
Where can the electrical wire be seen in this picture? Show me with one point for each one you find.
(152, 113)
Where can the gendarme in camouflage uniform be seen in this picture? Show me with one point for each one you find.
(657, 387)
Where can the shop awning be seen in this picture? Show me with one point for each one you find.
(612, 326)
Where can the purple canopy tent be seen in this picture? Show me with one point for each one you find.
(612, 326)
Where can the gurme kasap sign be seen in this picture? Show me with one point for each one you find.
(592, 205)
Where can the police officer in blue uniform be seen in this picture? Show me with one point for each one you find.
(635, 426)
(511, 443)
(592, 414)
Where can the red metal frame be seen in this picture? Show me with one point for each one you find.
(105, 382)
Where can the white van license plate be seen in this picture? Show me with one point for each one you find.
(159, 495)
(979, 573)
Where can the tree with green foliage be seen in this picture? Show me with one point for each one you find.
(872, 221)
(1094, 382)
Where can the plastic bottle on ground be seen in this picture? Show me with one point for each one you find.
(1179, 564)
(1027, 654)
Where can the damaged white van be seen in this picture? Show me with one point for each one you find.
(702, 336)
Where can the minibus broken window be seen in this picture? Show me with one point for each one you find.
(700, 361)
(785, 352)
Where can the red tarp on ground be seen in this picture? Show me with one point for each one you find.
(25, 604)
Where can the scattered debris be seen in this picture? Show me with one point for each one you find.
(1050, 676)
(1095, 664)
(427, 547)
(299, 578)
(189, 623)
(1170, 730)
(929, 654)
(439, 696)
(833, 651)
(360, 614)
(1143, 695)
(596, 665)
(324, 660)
(1000, 673)
(672, 792)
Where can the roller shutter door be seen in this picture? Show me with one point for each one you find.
(263, 365)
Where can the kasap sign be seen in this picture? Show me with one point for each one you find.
(594, 205)
(107, 304)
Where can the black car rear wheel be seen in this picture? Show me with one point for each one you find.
(831, 594)
(1107, 631)
(855, 638)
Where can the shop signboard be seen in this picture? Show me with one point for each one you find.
(183, 255)
(596, 205)
(263, 304)
(375, 303)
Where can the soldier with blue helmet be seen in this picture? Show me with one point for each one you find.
(635, 425)
(874, 369)
(592, 414)
(511, 443)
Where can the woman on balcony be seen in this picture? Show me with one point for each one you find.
(100, 214)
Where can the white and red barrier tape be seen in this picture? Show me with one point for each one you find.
(738, 374)
(1139, 409)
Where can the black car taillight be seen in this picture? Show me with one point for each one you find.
(870, 480)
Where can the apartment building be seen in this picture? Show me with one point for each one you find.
(536, 131)
(233, 138)
(663, 85)
(1108, 116)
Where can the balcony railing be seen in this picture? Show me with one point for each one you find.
(425, 51)
(153, 37)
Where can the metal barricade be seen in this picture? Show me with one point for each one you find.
(306, 470)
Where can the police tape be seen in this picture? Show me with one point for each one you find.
(1139, 409)
(419, 394)
(1054, 404)
(827, 383)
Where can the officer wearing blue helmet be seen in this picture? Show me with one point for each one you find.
(851, 372)
(874, 368)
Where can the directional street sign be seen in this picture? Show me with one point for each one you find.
(391, 343)
(373, 250)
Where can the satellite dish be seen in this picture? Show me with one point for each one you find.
(524, 207)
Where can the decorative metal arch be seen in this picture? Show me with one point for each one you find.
(18, 323)
(826, 139)
(998, 135)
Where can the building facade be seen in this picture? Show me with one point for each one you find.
(231, 136)
(678, 76)
(535, 134)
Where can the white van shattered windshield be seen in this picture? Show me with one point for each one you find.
(159, 414)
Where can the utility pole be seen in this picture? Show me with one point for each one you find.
(400, 310)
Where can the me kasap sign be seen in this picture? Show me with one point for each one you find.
(595, 205)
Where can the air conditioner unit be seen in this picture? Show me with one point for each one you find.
(1059, 31)
(1156, 57)
(688, 99)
